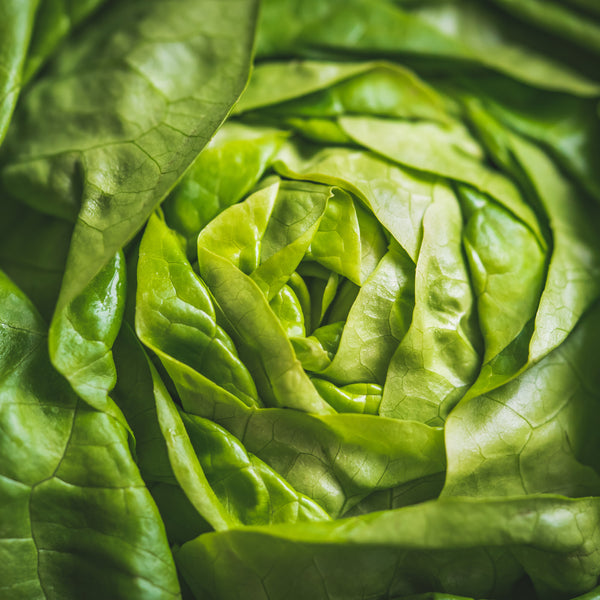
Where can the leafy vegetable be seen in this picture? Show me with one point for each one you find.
(17, 23)
(334, 335)
(75, 511)
(126, 109)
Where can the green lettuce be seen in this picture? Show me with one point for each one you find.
(299, 299)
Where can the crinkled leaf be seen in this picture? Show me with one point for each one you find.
(253, 492)
(119, 115)
(268, 234)
(16, 23)
(280, 377)
(538, 431)
(224, 172)
(74, 510)
(363, 398)
(324, 456)
(175, 315)
(163, 447)
(573, 280)
(437, 359)
(447, 150)
(397, 197)
(378, 320)
(454, 545)
(82, 334)
(508, 270)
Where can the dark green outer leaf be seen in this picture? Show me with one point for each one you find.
(592, 595)
(433, 596)
(591, 6)
(567, 127)
(121, 113)
(538, 433)
(558, 19)
(466, 35)
(33, 252)
(16, 23)
(453, 545)
(76, 519)
(55, 20)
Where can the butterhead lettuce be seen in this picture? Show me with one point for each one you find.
(299, 299)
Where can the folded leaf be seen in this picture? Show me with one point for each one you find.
(16, 18)
(113, 123)
(437, 359)
(175, 315)
(81, 336)
(454, 544)
(77, 518)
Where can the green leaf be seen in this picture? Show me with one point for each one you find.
(16, 23)
(81, 337)
(406, 494)
(336, 244)
(326, 89)
(447, 150)
(536, 434)
(363, 398)
(573, 280)
(120, 114)
(558, 19)
(76, 515)
(454, 545)
(323, 456)
(280, 377)
(459, 34)
(378, 320)
(397, 197)
(250, 489)
(508, 270)
(163, 447)
(567, 127)
(224, 172)
(289, 311)
(220, 480)
(268, 234)
(175, 315)
(586, 6)
(593, 595)
(33, 253)
(55, 20)
(437, 359)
